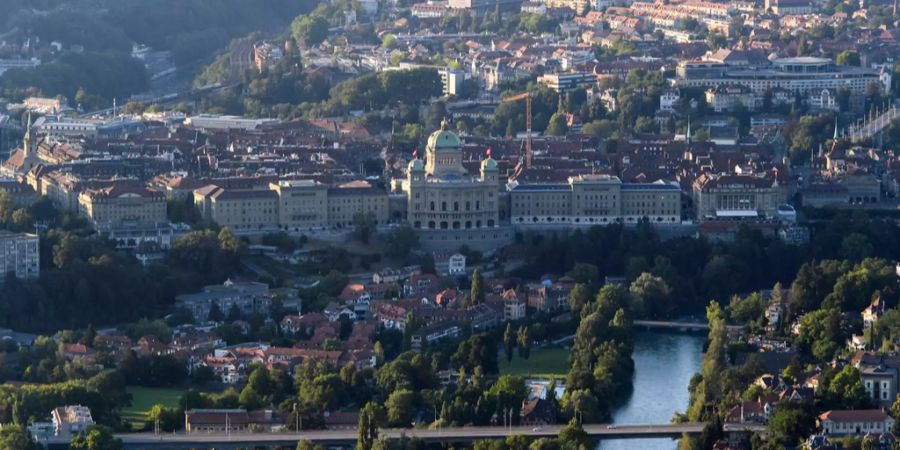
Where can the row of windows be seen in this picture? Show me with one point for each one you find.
(456, 225)
(456, 206)
(603, 220)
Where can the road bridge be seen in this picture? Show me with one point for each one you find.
(688, 326)
(234, 441)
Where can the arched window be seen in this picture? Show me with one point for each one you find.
(443, 206)
(432, 206)
(468, 224)
(431, 225)
(443, 225)
(456, 206)
(491, 223)
(456, 225)
(468, 205)
(417, 224)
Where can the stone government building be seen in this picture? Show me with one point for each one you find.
(448, 206)
(443, 202)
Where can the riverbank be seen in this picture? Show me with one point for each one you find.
(664, 364)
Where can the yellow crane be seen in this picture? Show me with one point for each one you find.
(527, 97)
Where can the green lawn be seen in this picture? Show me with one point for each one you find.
(547, 362)
(144, 398)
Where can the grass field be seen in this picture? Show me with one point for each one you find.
(546, 362)
(143, 399)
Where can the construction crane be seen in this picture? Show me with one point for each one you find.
(527, 97)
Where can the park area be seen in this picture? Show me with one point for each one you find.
(543, 362)
(143, 399)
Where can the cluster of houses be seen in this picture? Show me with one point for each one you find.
(879, 374)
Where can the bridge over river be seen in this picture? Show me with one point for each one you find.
(234, 441)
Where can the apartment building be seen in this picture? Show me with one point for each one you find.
(567, 82)
(247, 297)
(19, 255)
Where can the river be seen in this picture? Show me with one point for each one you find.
(664, 363)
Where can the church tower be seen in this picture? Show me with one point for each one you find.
(29, 152)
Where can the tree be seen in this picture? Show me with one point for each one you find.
(716, 41)
(508, 392)
(476, 291)
(651, 294)
(401, 242)
(168, 419)
(821, 334)
(97, 438)
(579, 297)
(573, 436)
(371, 418)
(789, 423)
(364, 225)
(16, 437)
(309, 30)
(848, 58)
(307, 445)
(845, 389)
(477, 351)
(709, 391)
(523, 338)
(215, 313)
(509, 341)
(389, 41)
(584, 273)
(7, 206)
(21, 220)
(401, 408)
(750, 309)
(557, 125)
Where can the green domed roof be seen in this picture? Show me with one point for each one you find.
(443, 138)
(416, 165)
(488, 164)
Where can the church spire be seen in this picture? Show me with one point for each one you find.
(688, 138)
(26, 141)
(835, 138)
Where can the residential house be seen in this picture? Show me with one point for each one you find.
(334, 312)
(513, 307)
(753, 411)
(536, 412)
(854, 422)
(306, 323)
(873, 312)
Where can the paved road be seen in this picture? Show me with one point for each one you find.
(141, 441)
